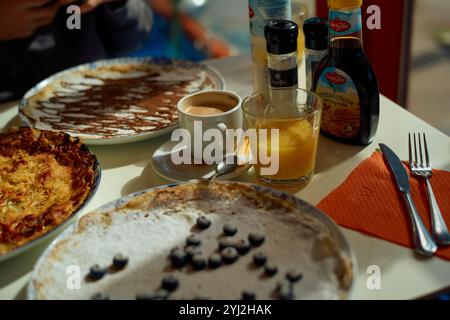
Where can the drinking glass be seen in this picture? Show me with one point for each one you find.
(290, 121)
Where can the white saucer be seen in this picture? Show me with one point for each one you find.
(163, 165)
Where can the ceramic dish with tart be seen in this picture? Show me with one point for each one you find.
(46, 177)
(206, 240)
(115, 101)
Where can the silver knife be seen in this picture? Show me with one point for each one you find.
(424, 244)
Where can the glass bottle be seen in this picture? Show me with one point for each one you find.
(281, 43)
(345, 79)
(316, 46)
(260, 13)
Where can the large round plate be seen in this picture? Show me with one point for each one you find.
(212, 74)
(302, 206)
(31, 244)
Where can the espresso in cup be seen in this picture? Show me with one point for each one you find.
(207, 109)
(209, 103)
(214, 109)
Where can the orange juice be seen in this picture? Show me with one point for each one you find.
(297, 147)
(286, 156)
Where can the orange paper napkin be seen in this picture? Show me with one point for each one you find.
(369, 202)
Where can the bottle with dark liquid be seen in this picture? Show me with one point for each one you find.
(345, 79)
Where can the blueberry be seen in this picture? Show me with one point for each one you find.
(229, 230)
(193, 240)
(242, 247)
(192, 251)
(215, 261)
(198, 263)
(270, 269)
(285, 290)
(100, 296)
(203, 223)
(174, 249)
(96, 272)
(293, 275)
(256, 239)
(248, 295)
(178, 258)
(226, 243)
(170, 283)
(259, 259)
(120, 261)
(229, 255)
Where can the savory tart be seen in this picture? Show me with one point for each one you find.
(217, 240)
(116, 98)
(44, 177)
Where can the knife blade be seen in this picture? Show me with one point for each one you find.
(397, 168)
(423, 242)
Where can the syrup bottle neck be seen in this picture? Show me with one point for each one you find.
(345, 28)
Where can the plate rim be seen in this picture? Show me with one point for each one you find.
(219, 81)
(344, 243)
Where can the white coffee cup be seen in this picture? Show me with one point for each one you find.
(227, 116)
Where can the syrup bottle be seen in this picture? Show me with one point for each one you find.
(345, 80)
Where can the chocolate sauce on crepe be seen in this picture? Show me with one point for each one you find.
(115, 101)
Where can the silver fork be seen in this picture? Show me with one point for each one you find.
(423, 169)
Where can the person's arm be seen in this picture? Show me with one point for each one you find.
(123, 25)
(20, 21)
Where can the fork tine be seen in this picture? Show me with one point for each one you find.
(427, 155)
(410, 151)
(420, 150)
(415, 149)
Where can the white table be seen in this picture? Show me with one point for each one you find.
(126, 168)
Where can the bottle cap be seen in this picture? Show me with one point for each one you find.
(281, 36)
(316, 33)
(344, 4)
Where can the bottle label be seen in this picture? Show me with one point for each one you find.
(261, 11)
(345, 22)
(341, 114)
(283, 78)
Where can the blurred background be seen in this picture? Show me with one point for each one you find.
(412, 65)
(429, 89)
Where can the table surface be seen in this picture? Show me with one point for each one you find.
(127, 168)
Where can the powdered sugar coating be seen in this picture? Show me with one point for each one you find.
(148, 226)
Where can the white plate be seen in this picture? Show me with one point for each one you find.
(163, 165)
(301, 206)
(33, 117)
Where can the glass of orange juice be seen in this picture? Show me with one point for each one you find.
(287, 125)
